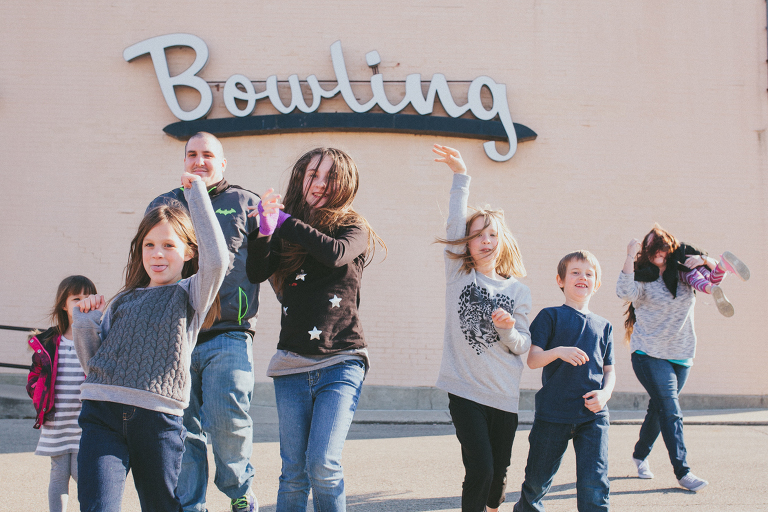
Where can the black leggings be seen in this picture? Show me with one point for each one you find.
(486, 435)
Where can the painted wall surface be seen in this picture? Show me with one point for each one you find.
(645, 111)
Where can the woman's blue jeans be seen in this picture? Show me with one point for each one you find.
(118, 438)
(663, 380)
(315, 411)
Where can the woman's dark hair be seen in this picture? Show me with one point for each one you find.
(657, 240)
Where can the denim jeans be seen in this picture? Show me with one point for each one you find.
(486, 435)
(222, 385)
(663, 381)
(117, 438)
(315, 410)
(548, 444)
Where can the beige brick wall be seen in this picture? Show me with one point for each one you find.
(635, 104)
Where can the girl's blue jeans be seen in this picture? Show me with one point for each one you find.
(663, 380)
(117, 438)
(315, 411)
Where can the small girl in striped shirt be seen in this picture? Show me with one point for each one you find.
(54, 386)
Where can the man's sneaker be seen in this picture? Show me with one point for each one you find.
(724, 306)
(643, 468)
(734, 265)
(692, 482)
(245, 503)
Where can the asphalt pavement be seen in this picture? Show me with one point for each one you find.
(411, 461)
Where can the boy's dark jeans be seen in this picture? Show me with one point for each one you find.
(663, 380)
(548, 444)
(486, 435)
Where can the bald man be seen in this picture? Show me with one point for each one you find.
(222, 361)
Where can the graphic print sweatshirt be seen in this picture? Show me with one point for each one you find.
(480, 362)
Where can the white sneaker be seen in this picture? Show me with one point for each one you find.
(724, 306)
(692, 482)
(643, 468)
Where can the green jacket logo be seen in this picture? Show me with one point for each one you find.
(225, 212)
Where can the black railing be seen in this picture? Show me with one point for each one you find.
(16, 328)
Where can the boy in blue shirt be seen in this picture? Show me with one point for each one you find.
(575, 347)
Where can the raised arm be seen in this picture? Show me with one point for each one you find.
(457, 206)
(626, 287)
(213, 256)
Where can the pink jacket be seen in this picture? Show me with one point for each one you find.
(42, 374)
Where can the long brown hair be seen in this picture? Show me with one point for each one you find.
(337, 212)
(509, 261)
(72, 285)
(176, 215)
(657, 240)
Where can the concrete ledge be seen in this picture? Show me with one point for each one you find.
(14, 402)
(396, 398)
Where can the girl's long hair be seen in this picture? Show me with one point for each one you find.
(176, 215)
(509, 261)
(337, 212)
(657, 240)
(72, 285)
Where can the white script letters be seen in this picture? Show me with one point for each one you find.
(239, 87)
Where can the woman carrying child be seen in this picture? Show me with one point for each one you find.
(659, 282)
(314, 254)
(486, 332)
(54, 386)
(137, 355)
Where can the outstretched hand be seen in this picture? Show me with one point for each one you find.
(502, 319)
(188, 178)
(451, 157)
(92, 302)
(268, 210)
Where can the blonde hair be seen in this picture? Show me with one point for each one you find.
(338, 212)
(509, 261)
(582, 255)
(177, 217)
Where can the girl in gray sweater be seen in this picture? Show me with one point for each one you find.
(486, 332)
(137, 355)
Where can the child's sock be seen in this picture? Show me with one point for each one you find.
(734, 265)
(721, 301)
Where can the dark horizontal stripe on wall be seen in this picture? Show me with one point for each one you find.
(348, 122)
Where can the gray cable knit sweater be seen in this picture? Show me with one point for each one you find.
(139, 352)
(480, 362)
(664, 327)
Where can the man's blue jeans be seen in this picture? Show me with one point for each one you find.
(222, 385)
(548, 444)
(663, 380)
(315, 410)
(118, 438)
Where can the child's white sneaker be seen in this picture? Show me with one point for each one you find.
(734, 265)
(724, 306)
(692, 482)
(643, 468)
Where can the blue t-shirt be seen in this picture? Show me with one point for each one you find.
(560, 399)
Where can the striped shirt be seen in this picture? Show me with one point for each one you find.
(62, 435)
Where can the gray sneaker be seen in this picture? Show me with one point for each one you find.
(692, 482)
(643, 468)
(724, 306)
